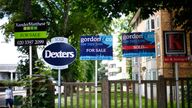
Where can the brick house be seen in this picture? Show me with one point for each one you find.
(152, 67)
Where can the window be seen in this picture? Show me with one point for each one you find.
(150, 25)
(151, 75)
(158, 49)
(148, 58)
(147, 26)
(154, 76)
(157, 22)
(112, 66)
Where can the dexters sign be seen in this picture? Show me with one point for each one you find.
(59, 54)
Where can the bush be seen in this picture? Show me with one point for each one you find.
(5, 83)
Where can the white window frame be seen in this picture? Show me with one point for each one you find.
(157, 22)
(148, 27)
(158, 50)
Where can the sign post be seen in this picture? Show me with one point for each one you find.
(139, 81)
(138, 44)
(175, 51)
(96, 48)
(177, 84)
(28, 34)
(96, 87)
(30, 71)
(59, 88)
(59, 55)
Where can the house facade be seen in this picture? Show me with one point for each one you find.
(116, 69)
(8, 72)
(152, 67)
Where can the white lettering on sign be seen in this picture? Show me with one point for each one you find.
(90, 50)
(132, 36)
(25, 24)
(91, 39)
(60, 54)
(95, 50)
(138, 47)
(100, 50)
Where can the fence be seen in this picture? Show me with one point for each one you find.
(167, 94)
(124, 94)
(79, 95)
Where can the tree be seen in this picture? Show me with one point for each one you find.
(119, 26)
(65, 18)
(181, 9)
(72, 18)
(101, 70)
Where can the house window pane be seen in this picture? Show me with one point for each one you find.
(148, 25)
(157, 22)
(152, 24)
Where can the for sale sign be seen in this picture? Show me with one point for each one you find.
(96, 48)
(175, 46)
(30, 33)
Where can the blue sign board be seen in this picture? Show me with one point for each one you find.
(96, 48)
(138, 44)
(59, 54)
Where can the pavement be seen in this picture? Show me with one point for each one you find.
(2, 101)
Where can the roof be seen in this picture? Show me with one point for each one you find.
(137, 14)
(8, 67)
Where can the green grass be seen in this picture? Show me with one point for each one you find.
(80, 101)
(99, 101)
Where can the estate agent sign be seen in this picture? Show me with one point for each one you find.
(175, 46)
(96, 47)
(30, 33)
(59, 54)
(138, 44)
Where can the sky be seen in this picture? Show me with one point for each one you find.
(8, 51)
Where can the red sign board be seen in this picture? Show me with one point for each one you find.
(175, 59)
(175, 46)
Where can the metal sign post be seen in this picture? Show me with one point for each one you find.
(174, 53)
(138, 44)
(177, 84)
(139, 83)
(59, 88)
(96, 48)
(28, 34)
(30, 73)
(59, 45)
(95, 83)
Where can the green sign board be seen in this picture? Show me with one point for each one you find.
(30, 33)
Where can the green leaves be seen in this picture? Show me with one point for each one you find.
(7, 83)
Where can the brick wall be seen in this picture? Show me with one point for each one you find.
(167, 69)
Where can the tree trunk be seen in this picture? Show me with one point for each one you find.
(27, 9)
